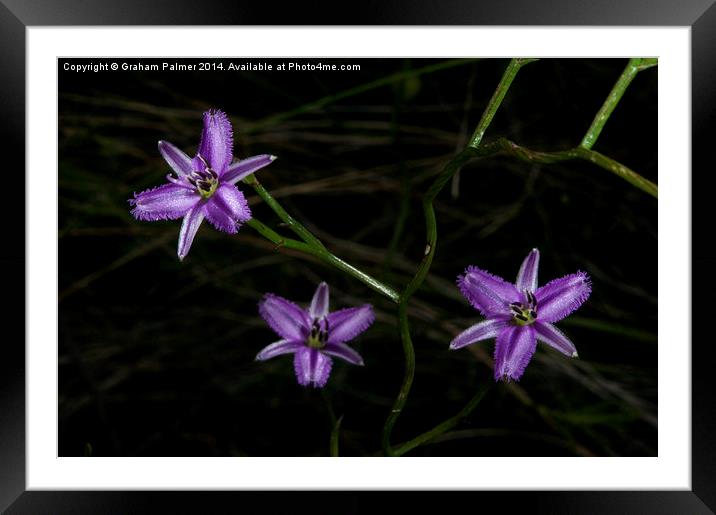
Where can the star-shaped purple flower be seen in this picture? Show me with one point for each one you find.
(204, 187)
(313, 335)
(520, 314)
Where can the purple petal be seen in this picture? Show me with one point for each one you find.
(189, 226)
(486, 329)
(553, 337)
(240, 169)
(180, 182)
(319, 304)
(278, 348)
(486, 292)
(514, 348)
(166, 202)
(346, 324)
(343, 351)
(527, 277)
(178, 160)
(312, 367)
(283, 316)
(559, 298)
(217, 140)
(227, 209)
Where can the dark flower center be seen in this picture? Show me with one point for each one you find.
(319, 334)
(204, 181)
(524, 313)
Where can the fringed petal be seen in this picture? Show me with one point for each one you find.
(559, 298)
(487, 293)
(283, 316)
(217, 141)
(346, 324)
(312, 368)
(227, 209)
(166, 202)
(514, 348)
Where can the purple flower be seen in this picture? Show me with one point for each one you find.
(520, 314)
(313, 335)
(203, 187)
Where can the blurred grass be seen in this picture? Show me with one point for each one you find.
(156, 356)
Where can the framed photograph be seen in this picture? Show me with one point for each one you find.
(428, 252)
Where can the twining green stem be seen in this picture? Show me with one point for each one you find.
(505, 146)
(431, 237)
(634, 66)
(324, 255)
(443, 426)
(313, 246)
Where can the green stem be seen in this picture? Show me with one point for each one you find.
(443, 426)
(291, 222)
(274, 237)
(409, 353)
(431, 236)
(634, 66)
(508, 147)
(335, 433)
(324, 255)
(507, 77)
(368, 280)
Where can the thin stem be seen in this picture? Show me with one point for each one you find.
(324, 255)
(505, 146)
(409, 352)
(634, 66)
(274, 237)
(335, 433)
(368, 280)
(507, 77)
(443, 426)
(431, 236)
(291, 222)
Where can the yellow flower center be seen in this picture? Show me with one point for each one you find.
(525, 313)
(319, 335)
(205, 181)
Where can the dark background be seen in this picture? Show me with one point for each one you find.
(156, 356)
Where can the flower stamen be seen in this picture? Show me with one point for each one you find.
(525, 314)
(318, 337)
(204, 181)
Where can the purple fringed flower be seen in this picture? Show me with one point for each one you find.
(204, 187)
(518, 315)
(313, 335)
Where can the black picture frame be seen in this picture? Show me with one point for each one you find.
(17, 15)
